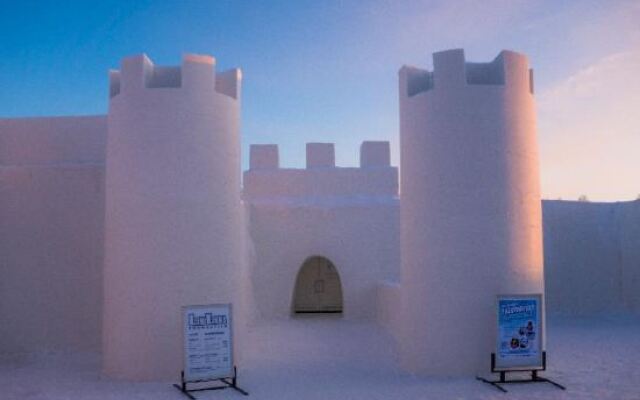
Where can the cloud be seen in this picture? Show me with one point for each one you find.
(589, 126)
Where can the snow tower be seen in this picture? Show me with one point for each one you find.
(173, 214)
(471, 223)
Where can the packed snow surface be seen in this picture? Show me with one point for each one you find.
(331, 358)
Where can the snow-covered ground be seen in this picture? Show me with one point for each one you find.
(329, 358)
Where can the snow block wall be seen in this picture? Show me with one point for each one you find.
(173, 214)
(51, 233)
(592, 256)
(471, 223)
(347, 215)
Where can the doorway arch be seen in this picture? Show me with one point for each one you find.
(318, 288)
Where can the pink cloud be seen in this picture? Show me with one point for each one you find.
(589, 127)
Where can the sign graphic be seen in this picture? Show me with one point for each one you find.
(208, 347)
(519, 344)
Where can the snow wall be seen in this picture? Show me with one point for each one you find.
(592, 256)
(347, 215)
(51, 233)
(173, 225)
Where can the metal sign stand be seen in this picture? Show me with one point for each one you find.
(230, 382)
(503, 375)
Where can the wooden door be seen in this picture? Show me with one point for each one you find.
(318, 288)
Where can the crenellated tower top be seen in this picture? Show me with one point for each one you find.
(451, 70)
(197, 72)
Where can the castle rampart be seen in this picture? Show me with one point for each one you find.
(375, 177)
(325, 210)
(53, 140)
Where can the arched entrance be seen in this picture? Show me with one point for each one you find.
(318, 288)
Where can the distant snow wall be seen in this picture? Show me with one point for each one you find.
(592, 256)
(51, 233)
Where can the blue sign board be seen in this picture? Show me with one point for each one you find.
(519, 342)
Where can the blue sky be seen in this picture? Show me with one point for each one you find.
(327, 70)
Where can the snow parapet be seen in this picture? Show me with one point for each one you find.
(196, 73)
(451, 70)
(265, 180)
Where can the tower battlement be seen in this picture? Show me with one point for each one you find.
(451, 70)
(197, 72)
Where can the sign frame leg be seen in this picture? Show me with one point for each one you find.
(233, 384)
(503, 374)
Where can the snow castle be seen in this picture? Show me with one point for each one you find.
(111, 223)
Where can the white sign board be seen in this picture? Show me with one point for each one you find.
(208, 347)
(519, 342)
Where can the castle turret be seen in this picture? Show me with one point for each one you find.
(173, 216)
(471, 224)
